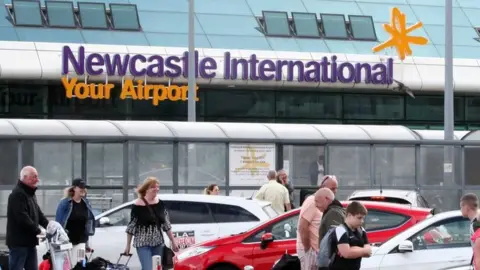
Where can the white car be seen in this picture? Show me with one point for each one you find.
(410, 197)
(195, 218)
(437, 243)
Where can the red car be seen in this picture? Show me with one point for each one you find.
(259, 249)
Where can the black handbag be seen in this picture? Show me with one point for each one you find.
(168, 254)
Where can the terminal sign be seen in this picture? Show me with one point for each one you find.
(325, 70)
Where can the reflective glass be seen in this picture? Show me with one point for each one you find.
(362, 27)
(466, 52)
(105, 164)
(332, 7)
(364, 47)
(92, 15)
(167, 22)
(303, 167)
(276, 23)
(247, 103)
(231, 25)
(431, 166)
(468, 3)
(209, 167)
(230, 7)
(306, 24)
(341, 46)
(26, 100)
(429, 50)
(350, 163)
(472, 15)
(5, 15)
(125, 17)
(430, 108)
(381, 12)
(27, 13)
(436, 15)
(472, 155)
(461, 35)
(394, 165)
(385, 1)
(50, 35)
(432, 3)
(60, 14)
(8, 162)
(311, 45)
(114, 37)
(283, 44)
(239, 42)
(150, 159)
(373, 107)
(8, 33)
(473, 109)
(333, 26)
(176, 40)
(308, 105)
(258, 7)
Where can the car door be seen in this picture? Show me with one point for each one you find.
(192, 222)
(232, 219)
(444, 244)
(285, 238)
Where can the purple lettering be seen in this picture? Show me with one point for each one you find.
(132, 66)
(172, 62)
(264, 67)
(341, 72)
(208, 64)
(94, 60)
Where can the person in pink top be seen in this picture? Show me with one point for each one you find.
(308, 226)
(476, 249)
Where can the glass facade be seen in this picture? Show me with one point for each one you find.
(333, 106)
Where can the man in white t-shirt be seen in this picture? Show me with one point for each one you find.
(469, 209)
(275, 193)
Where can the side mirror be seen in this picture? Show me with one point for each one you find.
(405, 246)
(104, 221)
(267, 238)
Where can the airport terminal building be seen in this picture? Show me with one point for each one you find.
(269, 61)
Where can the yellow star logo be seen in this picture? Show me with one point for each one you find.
(252, 162)
(399, 37)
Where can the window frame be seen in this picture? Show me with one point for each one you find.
(97, 221)
(344, 25)
(371, 22)
(295, 25)
(406, 219)
(113, 19)
(210, 205)
(28, 25)
(79, 4)
(264, 19)
(60, 26)
(166, 202)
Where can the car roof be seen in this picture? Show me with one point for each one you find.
(392, 206)
(409, 195)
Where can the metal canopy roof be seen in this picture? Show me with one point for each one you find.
(198, 131)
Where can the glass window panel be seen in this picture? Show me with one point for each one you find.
(26, 100)
(332, 7)
(394, 165)
(472, 15)
(426, 51)
(150, 159)
(258, 7)
(431, 166)
(304, 164)
(49, 35)
(341, 46)
(308, 105)
(312, 45)
(57, 168)
(27, 13)
(306, 24)
(48, 200)
(231, 7)
(430, 108)
(124, 16)
(466, 52)
(471, 158)
(362, 27)
(231, 25)
(77, 159)
(377, 220)
(467, 3)
(430, 15)
(283, 44)
(463, 36)
(247, 103)
(105, 164)
(450, 234)
(9, 162)
(4, 205)
(225, 213)
(473, 109)
(8, 33)
(93, 15)
(381, 11)
(208, 163)
(176, 23)
(164, 5)
(431, 3)
(60, 14)
(364, 47)
(116, 37)
(105, 199)
(443, 200)
(351, 164)
(239, 42)
(276, 23)
(333, 26)
(176, 40)
(373, 107)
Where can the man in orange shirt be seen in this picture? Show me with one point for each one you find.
(308, 226)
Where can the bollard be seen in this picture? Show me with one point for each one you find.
(157, 262)
(248, 267)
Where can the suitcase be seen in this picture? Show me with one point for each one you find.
(4, 260)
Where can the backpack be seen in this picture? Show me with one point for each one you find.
(327, 249)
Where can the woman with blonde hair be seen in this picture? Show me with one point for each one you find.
(212, 189)
(75, 214)
(149, 218)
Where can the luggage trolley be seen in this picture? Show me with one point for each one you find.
(57, 242)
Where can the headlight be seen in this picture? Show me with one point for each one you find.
(195, 251)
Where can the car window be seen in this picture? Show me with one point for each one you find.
(451, 233)
(381, 199)
(121, 217)
(281, 230)
(380, 220)
(223, 213)
(181, 212)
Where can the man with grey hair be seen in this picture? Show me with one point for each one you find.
(275, 193)
(283, 179)
(23, 219)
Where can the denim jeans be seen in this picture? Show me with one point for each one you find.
(20, 258)
(145, 255)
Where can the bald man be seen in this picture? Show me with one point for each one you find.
(275, 193)
(334, 215)
(309, 224)
(23, 219)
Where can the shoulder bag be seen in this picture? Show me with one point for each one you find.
(168, 254)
